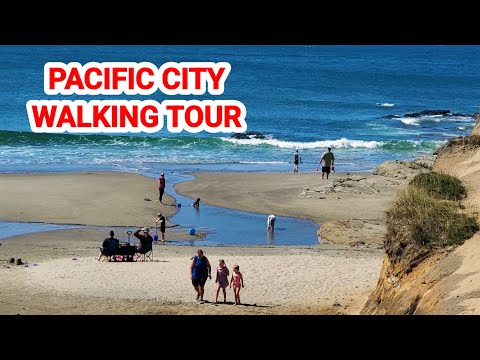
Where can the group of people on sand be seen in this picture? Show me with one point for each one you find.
(111, 246)
(326, 160)
(201, 270)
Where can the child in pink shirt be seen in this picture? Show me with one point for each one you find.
(221, 280)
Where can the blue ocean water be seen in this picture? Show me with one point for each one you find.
(355, 99)
(300, 97)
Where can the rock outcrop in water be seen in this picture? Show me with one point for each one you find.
(444, 113)
(249, 135)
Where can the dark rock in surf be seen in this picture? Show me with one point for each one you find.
(249, 135)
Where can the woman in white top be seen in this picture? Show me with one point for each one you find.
(271, 222)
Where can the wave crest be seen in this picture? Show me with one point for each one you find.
(386, 104)
(339, 143)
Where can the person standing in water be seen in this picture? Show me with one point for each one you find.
(296, 160)
(271, 222)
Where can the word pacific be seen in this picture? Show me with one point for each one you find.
(114, 78)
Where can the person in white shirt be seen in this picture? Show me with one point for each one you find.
(271, 222)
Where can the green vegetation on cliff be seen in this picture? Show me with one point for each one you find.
(427, 215)
(441, 186)
(470, 142)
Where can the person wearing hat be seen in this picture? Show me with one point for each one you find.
(161, 186)
(146, 240)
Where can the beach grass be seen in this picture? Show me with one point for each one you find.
(439, 185)
(427, 215)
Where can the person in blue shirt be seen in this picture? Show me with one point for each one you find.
(200, 270)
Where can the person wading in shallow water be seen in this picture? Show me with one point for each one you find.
(271, 222)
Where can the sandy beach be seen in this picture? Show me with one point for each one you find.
(302, 195)
(89, 198)
(63, 276)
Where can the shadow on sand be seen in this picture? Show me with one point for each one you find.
(232, 303)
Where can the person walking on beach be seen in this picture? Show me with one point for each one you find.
(296, 159)
(161, 186)
(200, 269)
(327, 161)
(237, 282)
(161, 221)
(221, 280)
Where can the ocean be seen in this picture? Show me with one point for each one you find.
(369, 103)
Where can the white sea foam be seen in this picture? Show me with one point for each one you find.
(462, 119)
(434, 118)
(410, 121)
(386, 104)
(340, 143)
(263, 162)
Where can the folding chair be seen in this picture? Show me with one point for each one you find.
(146, 256)
(104, 257)
(109, 249)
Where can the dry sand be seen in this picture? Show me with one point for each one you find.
(68, 278)
(92, 198)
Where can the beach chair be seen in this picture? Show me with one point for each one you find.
(105, 255)
(109, 251)
(144, 256)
